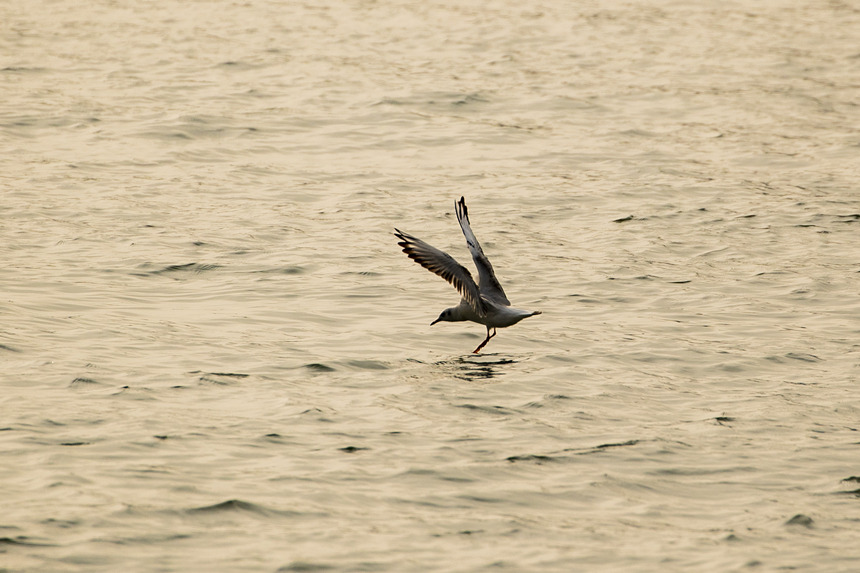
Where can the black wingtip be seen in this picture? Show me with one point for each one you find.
(404, 241)
(461, 207)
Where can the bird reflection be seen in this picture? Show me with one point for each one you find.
(477, 368)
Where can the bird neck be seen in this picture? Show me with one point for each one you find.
(456, 314)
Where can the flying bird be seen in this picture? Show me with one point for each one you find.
(484, 302)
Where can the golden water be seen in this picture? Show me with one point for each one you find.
(216, 358)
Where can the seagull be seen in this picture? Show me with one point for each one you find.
(485, 302)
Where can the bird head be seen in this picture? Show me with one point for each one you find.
(445, 316)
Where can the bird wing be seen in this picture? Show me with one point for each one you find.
(445, 266)
(488, 285)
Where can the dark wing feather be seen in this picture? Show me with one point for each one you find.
(444, 265)
(488, 285)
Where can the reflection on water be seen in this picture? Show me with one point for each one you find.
(474, 368)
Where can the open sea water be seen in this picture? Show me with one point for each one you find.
(215, 358)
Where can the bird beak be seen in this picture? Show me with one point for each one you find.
(435, 321)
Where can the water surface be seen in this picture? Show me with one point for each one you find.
(215, 357)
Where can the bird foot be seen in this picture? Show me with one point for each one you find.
(486, 340)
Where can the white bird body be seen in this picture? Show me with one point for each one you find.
(483, 302)
(496, 316)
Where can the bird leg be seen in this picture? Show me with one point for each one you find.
(486, 340)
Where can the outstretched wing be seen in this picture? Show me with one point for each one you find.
(445, 266)
(488, 285)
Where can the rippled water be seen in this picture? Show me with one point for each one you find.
(216, 358)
